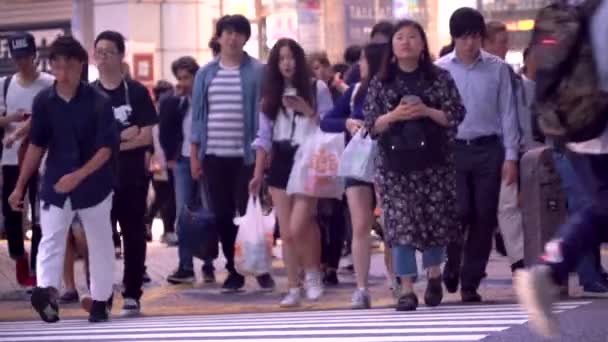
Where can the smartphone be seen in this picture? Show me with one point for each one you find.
(290, 92)
(410, 99)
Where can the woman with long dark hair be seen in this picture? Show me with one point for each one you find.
(292, 104)
(413, 108)
(347, 116)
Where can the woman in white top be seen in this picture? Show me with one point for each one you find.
(292, 105)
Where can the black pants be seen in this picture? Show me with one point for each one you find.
(478, 178)
(13, 220)
(228, 180)
(164, 202)
(332, 222)
(129, 210)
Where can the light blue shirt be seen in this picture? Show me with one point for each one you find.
(487, 93)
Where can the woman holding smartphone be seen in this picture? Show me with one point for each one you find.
(413, 108)
(292, 105)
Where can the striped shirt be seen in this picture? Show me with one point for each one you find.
(225, 130)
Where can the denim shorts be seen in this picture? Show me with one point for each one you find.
(404, 259)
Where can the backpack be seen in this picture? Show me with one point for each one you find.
(569, 106)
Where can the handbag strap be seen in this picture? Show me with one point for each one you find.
(200, 195)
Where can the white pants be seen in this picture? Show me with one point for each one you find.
(55, 224)
(510, 221)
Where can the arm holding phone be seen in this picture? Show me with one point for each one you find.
(410, 108)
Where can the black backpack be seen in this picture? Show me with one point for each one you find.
(569, 106)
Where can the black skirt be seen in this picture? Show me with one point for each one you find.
(283, 154)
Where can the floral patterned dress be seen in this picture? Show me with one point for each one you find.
(419, 206)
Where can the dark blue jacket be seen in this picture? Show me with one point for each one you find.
(335, 120)
(170, 131)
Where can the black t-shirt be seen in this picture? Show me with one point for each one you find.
(138, 111)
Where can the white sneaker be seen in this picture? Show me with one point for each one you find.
(130, 308)
(536, 292)
(292, 299)
(312, 285)
(361, 300)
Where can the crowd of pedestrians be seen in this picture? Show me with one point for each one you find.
(450, 132)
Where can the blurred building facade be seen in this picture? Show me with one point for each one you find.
(159, 31)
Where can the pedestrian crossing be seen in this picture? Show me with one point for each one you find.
(444, 323)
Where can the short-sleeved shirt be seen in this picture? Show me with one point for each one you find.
(18, 98)
(135, 110)
(73, 132)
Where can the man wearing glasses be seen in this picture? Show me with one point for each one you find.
(135, 113)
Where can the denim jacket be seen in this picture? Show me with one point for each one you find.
(251, 81)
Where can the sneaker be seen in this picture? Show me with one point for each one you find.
(69, 297)
(470, 296)
(181, 277)
(170, 239)
(361, 300)
(312, 285)
(44, 302)
(536, 292)
(86, 303)
(130, 308)
(22, 269)
(292, 299)
(233, 282)
(330, 278)
(146, 278)
(208, 276)
(598, 289)
(266, 282)
(100, 312)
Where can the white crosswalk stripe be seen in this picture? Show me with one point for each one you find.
(444, 323)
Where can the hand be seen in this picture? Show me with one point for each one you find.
(298, 104)
(196, 168)
(155, 165)
(15, 200)
(68, 183)
(509, 172)
(20, 115)
(10, 140)
(406, 112)
(255, 185)
(129, 133)
(353, 126)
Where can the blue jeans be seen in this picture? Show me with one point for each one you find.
(578, 199)
(184, 187)
(404, 259)
(587, 227)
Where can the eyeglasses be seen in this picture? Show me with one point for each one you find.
(105, 53)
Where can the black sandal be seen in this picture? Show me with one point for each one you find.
(407, 302)
(434, 292)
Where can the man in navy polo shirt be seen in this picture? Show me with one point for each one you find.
(75, 124)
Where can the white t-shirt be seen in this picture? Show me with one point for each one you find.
(19, 98)
(187, 131)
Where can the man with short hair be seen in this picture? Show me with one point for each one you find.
(175, 130)
(224, 124)
(17, 93)
(486, 149)
(74, 123)
(135, 114)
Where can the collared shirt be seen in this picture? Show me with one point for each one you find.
(73, 132)
(487, 92)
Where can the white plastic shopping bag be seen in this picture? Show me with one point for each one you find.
(315, 168)
(359, 158)
(253, 246)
